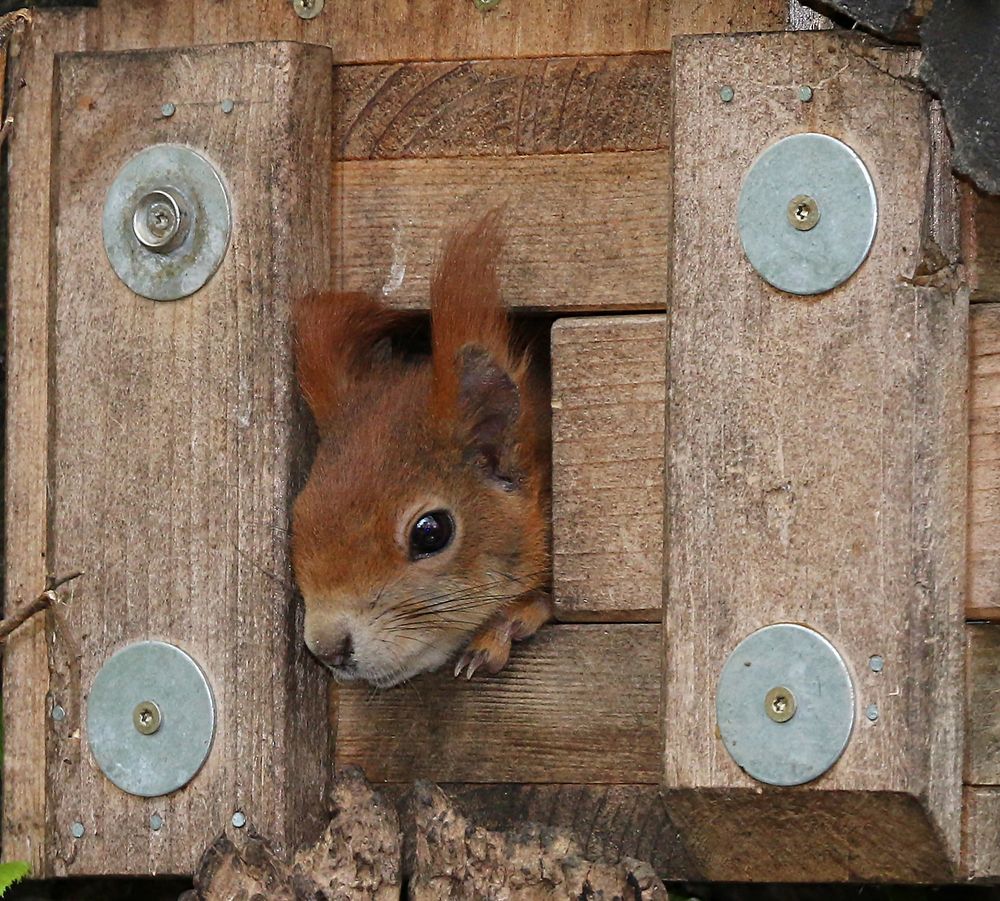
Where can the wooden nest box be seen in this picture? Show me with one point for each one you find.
(771, 528)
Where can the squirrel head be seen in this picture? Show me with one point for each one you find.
(423, 513)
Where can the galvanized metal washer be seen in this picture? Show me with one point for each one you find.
(161, 762)
(180, 271)
(805, 746)
(809, 261)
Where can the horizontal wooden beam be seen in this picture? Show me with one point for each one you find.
(584, 231)
(578, 703)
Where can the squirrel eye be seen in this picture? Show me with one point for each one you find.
(431, 533)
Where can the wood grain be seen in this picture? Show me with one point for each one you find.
(502, 107)
(981, 243)
(25, 664)
(982, 735)
(575, 704)
(984, 463)
(608, 387)
(816, 462)
(583, 231)
(174, 447)
(981, 846)
(395, 30)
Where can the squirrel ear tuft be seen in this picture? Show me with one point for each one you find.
(489, 404)
(339, 340)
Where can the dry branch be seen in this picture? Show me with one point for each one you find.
(45, 600)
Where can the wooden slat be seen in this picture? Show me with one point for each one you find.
(981, 846)
(584, 231)
(981, 243)
(816, 468)
(26, 661)
(608, 386)
(175, 447)
(502, 107)
(982, 735)
(984, 463)
(575, 704)
(435, 29)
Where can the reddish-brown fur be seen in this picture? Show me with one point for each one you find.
(465, 431)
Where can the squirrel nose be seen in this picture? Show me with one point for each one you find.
(341, 652)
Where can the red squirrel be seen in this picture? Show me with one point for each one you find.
(423, 531)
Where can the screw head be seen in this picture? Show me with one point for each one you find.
(58, 713)
(805, 93)
(307, 9)
(77, 830)
(156, 822)
(160, 221)
(167, 110)
(486, 4)
(227, 106)
(146, 717)
(726, 93)
(876, 663)
(872, 712)
(779, 704)
(803, 212)
(239, 819)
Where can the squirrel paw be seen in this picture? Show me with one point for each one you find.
(489, 648)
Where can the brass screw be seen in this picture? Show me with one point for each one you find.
(803, 212)
(779, 704)
(146, 717)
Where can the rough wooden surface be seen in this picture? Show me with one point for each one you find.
(174, 446)
(982, 712)
(435, 30)
(981, 848)
(816, 464)
(575, 704)
(502, 107)
(981, 243)
(984, 463)
(560, 253)
(26, 666)
(608, 383)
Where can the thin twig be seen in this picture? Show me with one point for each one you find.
(45, 600)
(8, 24)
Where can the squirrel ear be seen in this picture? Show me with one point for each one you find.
(339, 340)
(489, 404)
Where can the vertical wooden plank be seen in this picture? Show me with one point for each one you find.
(608, 382)
(984, 463)
(816, 463)
(26, 669)
(981, 847)
(982, 724)
(174, 446)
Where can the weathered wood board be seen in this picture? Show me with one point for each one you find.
(607, 467)
(175, 445)
(981, 243)
(435, 30)
(981, 849)
(816, 472)
(26, 659)
(578, 703)
(984, 463)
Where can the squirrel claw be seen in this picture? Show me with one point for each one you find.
(488, 650)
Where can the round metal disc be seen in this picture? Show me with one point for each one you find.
(806, 745)
(163, 761)
(181, 271)
(819, 257)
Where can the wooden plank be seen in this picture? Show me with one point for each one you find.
(436, 29)
(816, 470)
(981, 846)
(982, 730)
(575, 704)
(608, 387)
(584, 231)
(26, 663)
(502, 107)
(175, 447)
(984, 463)
(981, 243)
